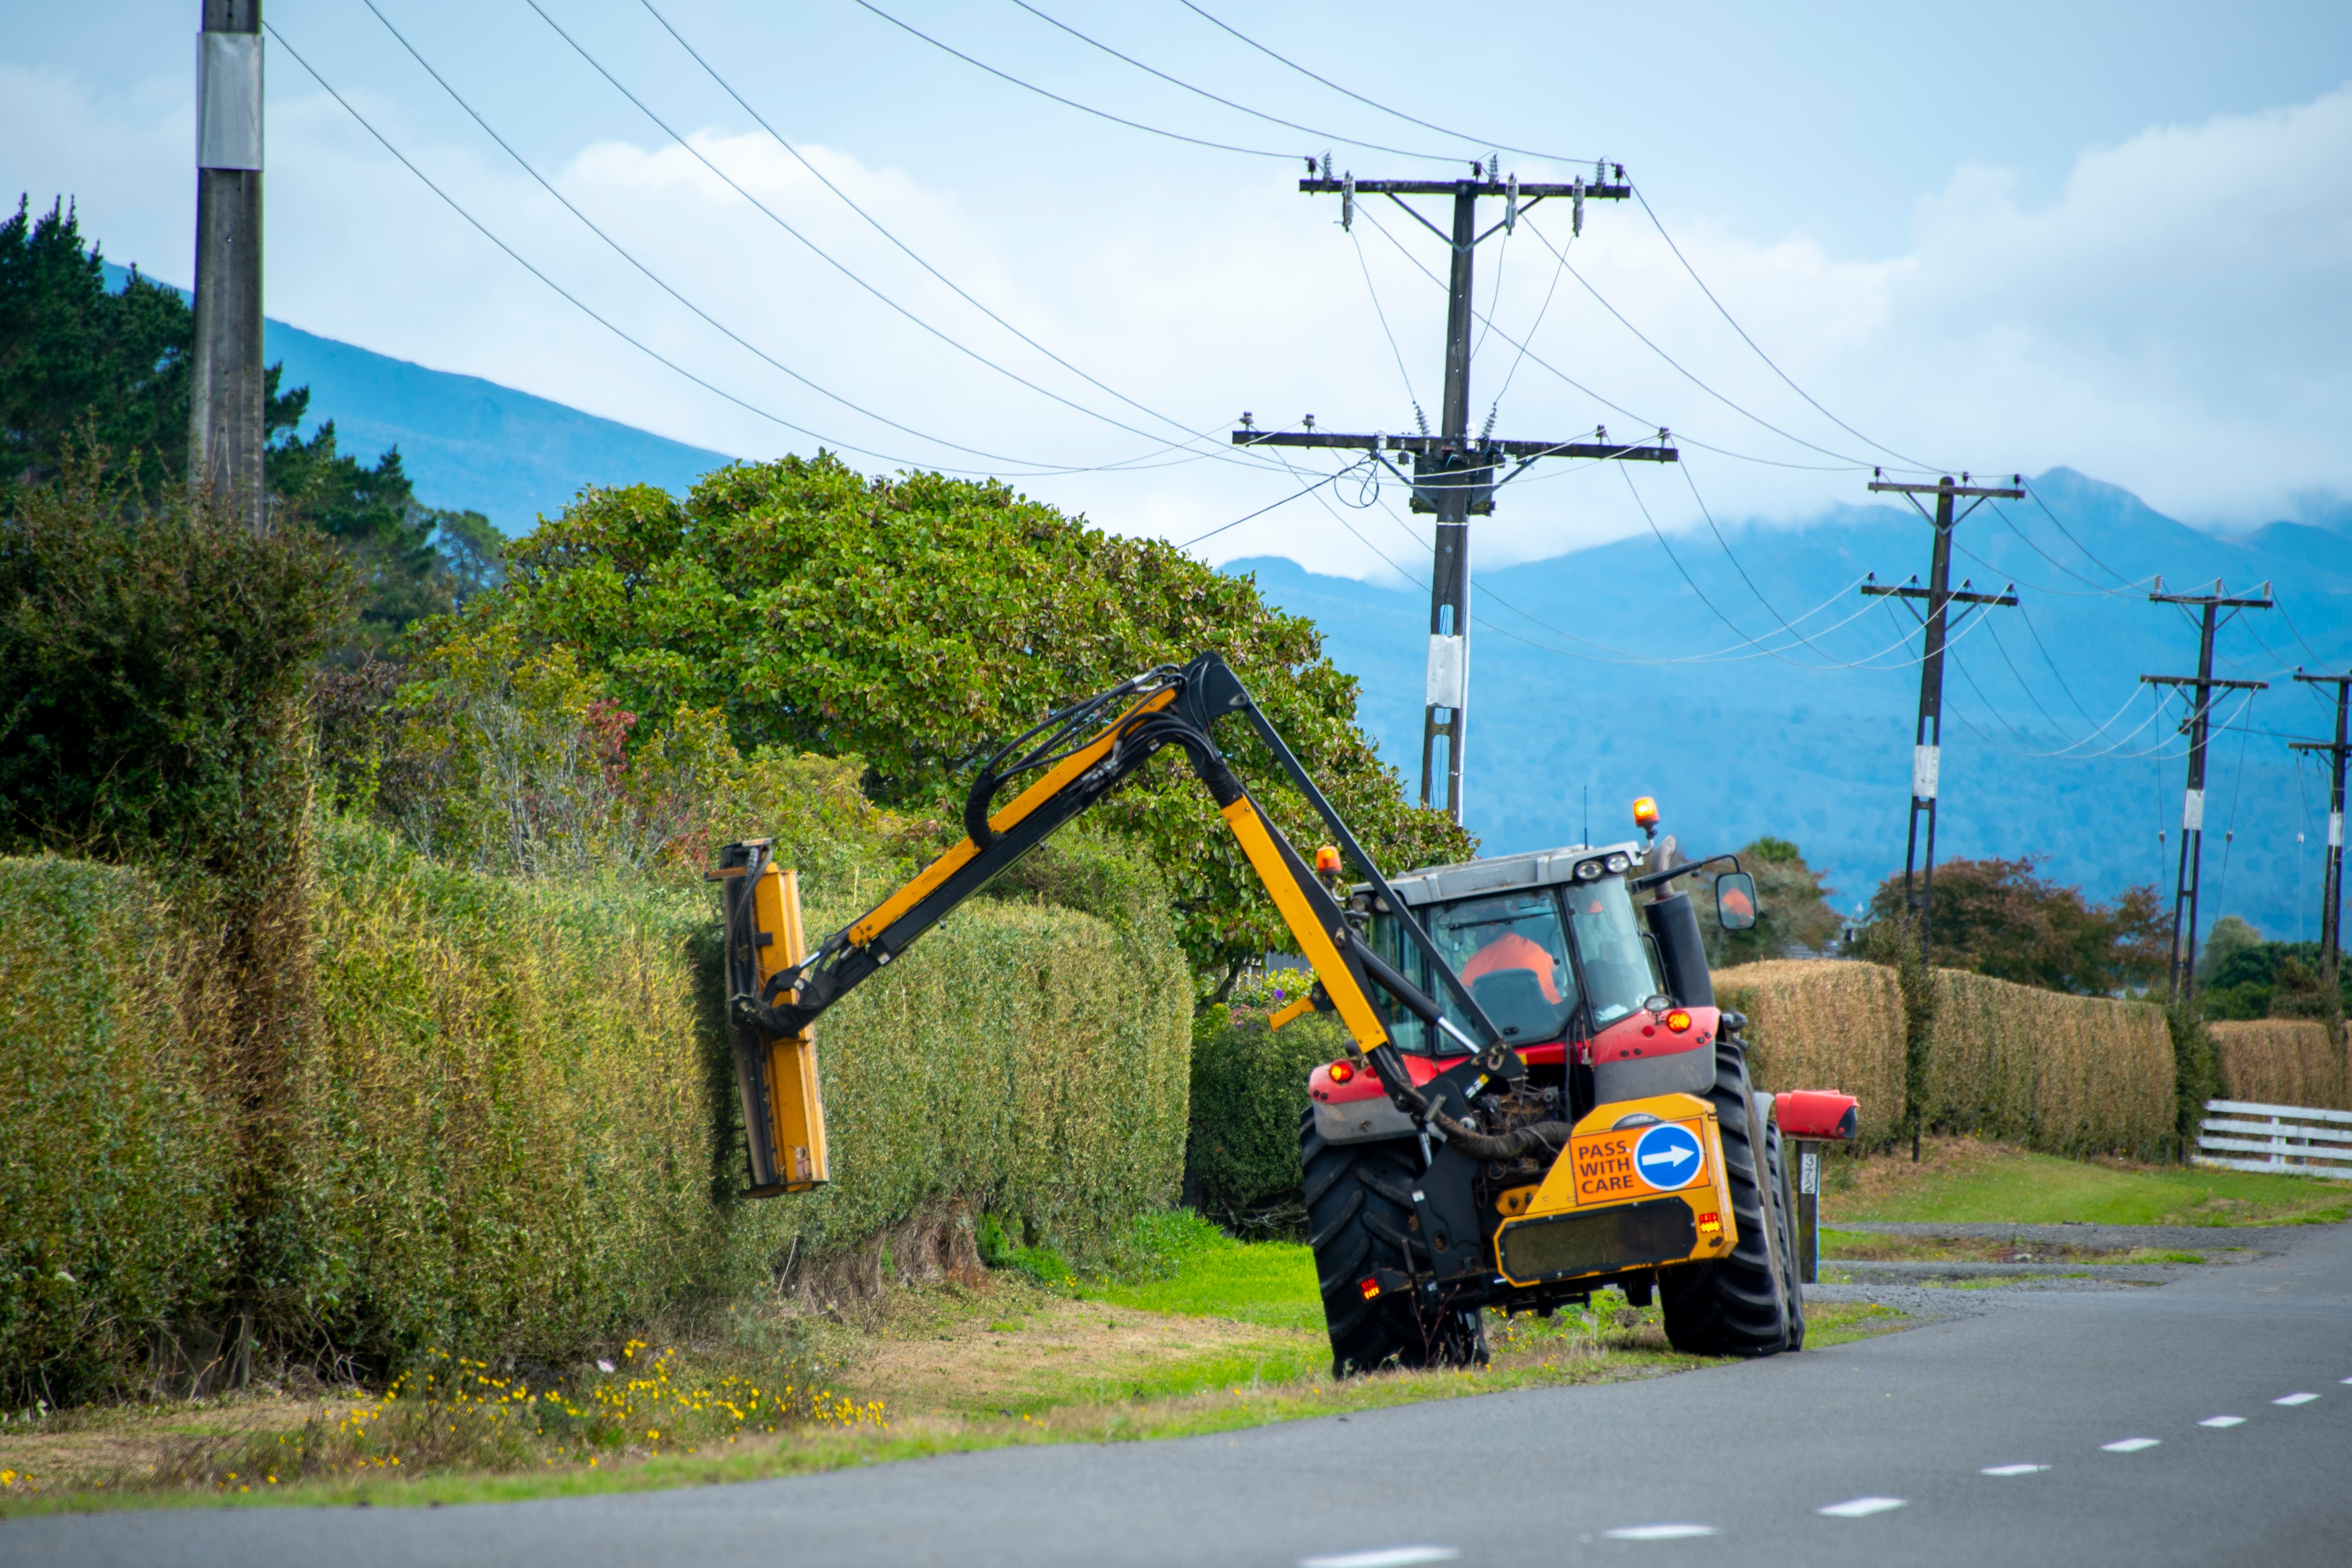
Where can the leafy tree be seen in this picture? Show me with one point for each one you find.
(2231, 936)
(2264, 979)
(1792, 908)
(1998, 918)
(917, 622)
(80, 363)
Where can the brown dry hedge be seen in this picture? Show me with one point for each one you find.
(2281, 1061)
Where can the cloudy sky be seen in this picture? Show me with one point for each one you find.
(2000, 236)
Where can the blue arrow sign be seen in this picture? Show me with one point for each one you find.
(1668, 1156)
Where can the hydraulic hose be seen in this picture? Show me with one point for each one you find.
(1550, 1137)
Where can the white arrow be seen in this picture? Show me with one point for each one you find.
(1674, 1156)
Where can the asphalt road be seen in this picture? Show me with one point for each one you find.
(2077, 1426)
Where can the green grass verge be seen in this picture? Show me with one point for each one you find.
(2040, 1189)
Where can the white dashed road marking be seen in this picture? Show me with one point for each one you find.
(2131, 1444)
(2012, 1469)
(1386, 1557)
(2224, 1421)
(1860, 1508)
(2295, 1399)
(1660, 1531)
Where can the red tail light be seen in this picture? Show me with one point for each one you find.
(1369, 1286)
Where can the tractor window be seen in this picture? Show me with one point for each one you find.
(1509, 950)
(1617, 962)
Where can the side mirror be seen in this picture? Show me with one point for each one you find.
(1735, 900)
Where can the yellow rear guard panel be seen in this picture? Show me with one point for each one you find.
(1607, 1168)
(795, 1108)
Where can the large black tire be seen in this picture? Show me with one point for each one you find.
(1360, 1218)
(1784, 1205)
(1732, 1306)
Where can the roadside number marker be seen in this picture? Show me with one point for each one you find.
(2131, 1444)
(2295, 1399)
(2224, 1421)
(1660, 1531)
(1386, 1557)
(2012, 1469)
(1860, 1508)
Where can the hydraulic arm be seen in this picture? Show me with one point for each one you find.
(776, 990)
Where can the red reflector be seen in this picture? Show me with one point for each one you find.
(1369, 1287)
(1341, 1072)
(1678, 1020)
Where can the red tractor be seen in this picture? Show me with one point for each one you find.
(1633, 1152)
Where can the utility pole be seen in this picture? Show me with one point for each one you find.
(2180, 975)
(225, 390)
(1454, 475)
(2331, 909)
(1928, 739)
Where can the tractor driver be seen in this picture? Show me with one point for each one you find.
(1511, 951)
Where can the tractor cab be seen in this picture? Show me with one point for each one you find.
(1549, 942)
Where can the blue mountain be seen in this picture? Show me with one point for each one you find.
(1624, 670)
(467, 442)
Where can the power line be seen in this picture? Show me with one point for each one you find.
(1368, 215)
(662, 283)
(1360, 98)
(1071, 102)
(1213, 98)
(1677, 365)
(1263, 509)
(1751, 342)
(815, 249)
(571, 297)
(879, 228)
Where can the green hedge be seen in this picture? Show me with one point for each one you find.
(114, 1209)
(1249, 1084)
(514, 1123)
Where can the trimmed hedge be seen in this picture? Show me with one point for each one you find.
(513, 1126)
(2281, 1061)
(112, 1165)
(1249, 1084)
(2074, 1075)
(1825, 1025)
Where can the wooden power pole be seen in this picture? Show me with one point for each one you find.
(1927, 738)
(2180, 976)
(2331, 907)
(226, 394)
(1452, 472)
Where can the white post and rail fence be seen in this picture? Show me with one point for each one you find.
(2293, 1139)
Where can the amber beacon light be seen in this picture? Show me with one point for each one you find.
(1645, 812)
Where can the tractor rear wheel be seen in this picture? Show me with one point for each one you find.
(1360, 1218)
(1732, 1305)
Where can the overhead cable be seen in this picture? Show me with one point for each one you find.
(1681, 370)
(664, 284)
(1366, 213)
(816, 249)
(1229, 103)
(575, 299)
(1373, 103)
(1072, 103)
(876, 225)
(1751, 342)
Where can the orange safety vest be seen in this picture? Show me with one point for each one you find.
(1512, 951)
